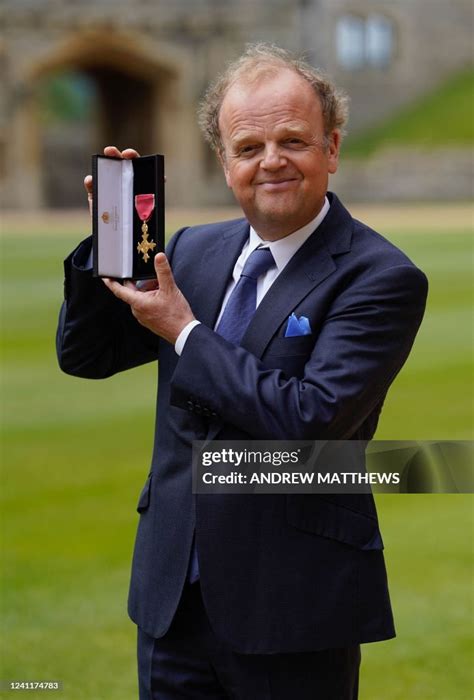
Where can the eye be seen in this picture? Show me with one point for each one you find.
(248, 149)
(294, 141)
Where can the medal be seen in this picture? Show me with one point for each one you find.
(144, 205)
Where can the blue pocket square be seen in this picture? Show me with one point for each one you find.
(297, 326)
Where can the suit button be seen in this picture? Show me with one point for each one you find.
(213, 414)
(198, 409)
(190, 406)
(206, 412)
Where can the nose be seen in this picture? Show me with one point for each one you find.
(273, 158)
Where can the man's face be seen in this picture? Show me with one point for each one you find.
(274, 157)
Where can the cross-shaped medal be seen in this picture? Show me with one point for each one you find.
(145, 245)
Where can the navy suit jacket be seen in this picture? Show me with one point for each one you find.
(279, 573)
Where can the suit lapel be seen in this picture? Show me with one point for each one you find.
(216, 271)
(310, 266)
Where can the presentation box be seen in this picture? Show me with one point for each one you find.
(128, 221)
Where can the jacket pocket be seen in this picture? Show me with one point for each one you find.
(317, 516)
(296, 345)
(144, 499)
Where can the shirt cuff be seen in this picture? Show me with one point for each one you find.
(183, 336)
(90, 261)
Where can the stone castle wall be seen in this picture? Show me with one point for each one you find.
(152, 61)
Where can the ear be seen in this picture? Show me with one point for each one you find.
(333, 150)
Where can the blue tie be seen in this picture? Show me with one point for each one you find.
(234, 321)
(242, 303)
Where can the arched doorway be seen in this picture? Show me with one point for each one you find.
(80, 111)
(94, 90)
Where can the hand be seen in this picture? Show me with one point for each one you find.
(108, 151)
(165, 310)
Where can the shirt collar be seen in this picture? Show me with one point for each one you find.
(284, 249)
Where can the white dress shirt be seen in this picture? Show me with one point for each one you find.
(282, 251)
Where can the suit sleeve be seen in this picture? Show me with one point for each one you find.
(362, 345)
(97, 334)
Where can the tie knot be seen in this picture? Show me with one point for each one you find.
(258, 263)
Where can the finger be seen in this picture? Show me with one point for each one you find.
(112, 151)
(146, 285)
(129, 284)
(121, 292)
(130, 153)
(88, 184)
(141, 285)
(88, 188)
(163, 273)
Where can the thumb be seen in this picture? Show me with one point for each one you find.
(163, 273)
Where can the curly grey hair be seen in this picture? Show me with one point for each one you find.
(260, 60)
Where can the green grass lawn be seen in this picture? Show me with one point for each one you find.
(444, 117)
(75, 454)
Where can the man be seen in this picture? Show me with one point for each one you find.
(251, 596)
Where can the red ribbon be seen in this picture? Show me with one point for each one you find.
(144, 204)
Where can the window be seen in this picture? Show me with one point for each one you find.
(350, 41)
(363, 42)
(379, 41)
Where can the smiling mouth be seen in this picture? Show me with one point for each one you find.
(276, 184)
